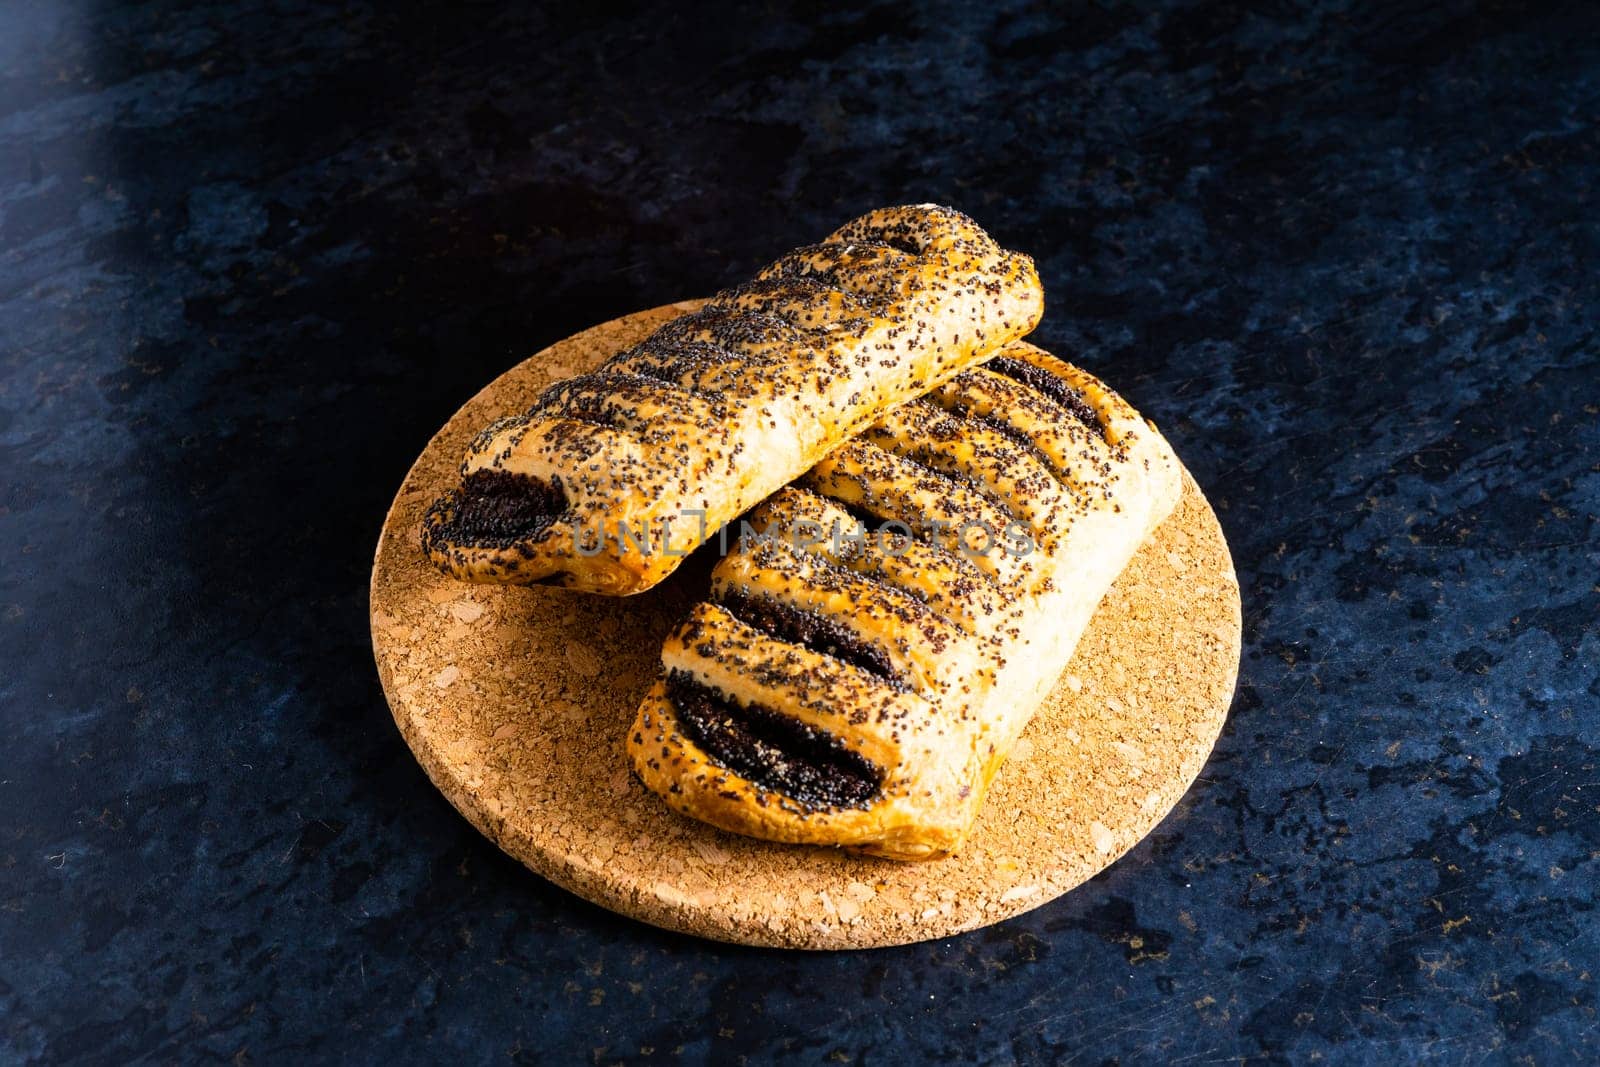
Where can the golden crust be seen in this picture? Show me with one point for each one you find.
(614, 476)
(863, 693)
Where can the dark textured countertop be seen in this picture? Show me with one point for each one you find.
(1345, 254)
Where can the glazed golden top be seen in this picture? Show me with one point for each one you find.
(615, 475)
(863, 666)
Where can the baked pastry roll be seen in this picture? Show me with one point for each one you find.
(884, 630)
(614, 476)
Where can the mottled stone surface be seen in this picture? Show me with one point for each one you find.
(250, 260)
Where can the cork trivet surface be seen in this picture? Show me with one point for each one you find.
(516, 700)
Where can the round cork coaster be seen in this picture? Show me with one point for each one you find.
(516, 701)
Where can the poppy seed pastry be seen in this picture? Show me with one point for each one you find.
(886, 628)
(614, 476)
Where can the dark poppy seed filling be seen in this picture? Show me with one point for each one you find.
(1015, 435)
(870, 523)
(883, 531)
(966, 481)
(901, 239)
(807, 628)
(1042, 381)
(774, 751)
(496, 509)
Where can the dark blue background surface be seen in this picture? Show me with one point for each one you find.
(1346, 255)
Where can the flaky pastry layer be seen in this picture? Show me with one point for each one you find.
(862, 691)
(614, 476)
